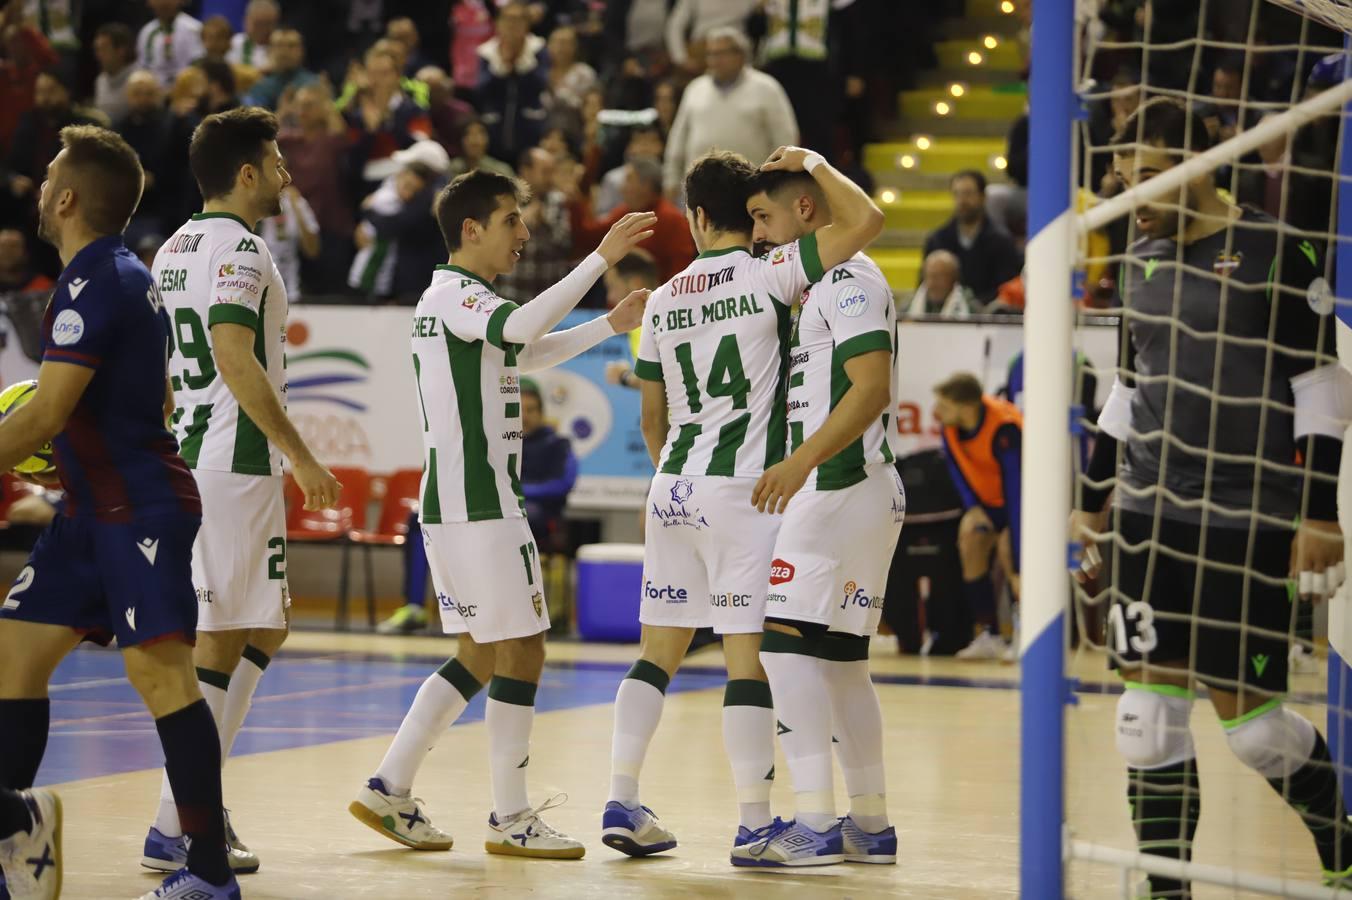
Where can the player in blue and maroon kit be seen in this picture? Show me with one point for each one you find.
(117, 562)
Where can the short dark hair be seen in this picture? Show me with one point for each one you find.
(222, 73)
(474, 195)
(779, 184)
(531, 388)
(118, 34)
(108, 175)
(963, 388)
(720, 182)
(224, 143)
(973, 174)
(638, 264)
(1167, 123)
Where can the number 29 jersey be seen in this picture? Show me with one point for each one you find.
(716, 336)
(215, 270)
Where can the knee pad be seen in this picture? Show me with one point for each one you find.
(1274, 744)
(1152, 729)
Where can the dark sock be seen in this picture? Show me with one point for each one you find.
(980, 597)
(192, 758)
(1165, 804)
(24, 724)
(14, 815)
(1312, 791)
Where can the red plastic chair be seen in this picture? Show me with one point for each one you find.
(401, 499)
(331, 526)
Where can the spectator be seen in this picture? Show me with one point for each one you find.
(221, 93)
(546, 257)
(512, 84)
(733, 107)
(381, 116)
(287, 55)
(941, 292)
(149, 128)
(251, 47)
(637, 29)
(474, 152)
(637, 271)
(548, 472)
(114, 53)
(644, 141)
(447, 113)
(170, 42)
(1263, 183)
(403, 31)
(796, 53)
(415, 89)
(16, 272)
(666, 100)
(187, 95)
(692, 21)
(396, 244)
(216, 36)
(291, 234)
(314, 144)
(1226, 82)
(59, 22)
(981, 439)
(471, 26)
(27, 53)
(986, 253)
(37, 140)
(670, 244)
(569, 77)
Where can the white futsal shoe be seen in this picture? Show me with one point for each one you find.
(526, 834)
(399, 818)
(31, 860)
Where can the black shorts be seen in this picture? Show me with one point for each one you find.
(1159, 605)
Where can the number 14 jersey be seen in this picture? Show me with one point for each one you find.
(216, 270)
(716, 336)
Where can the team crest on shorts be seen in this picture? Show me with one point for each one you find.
(538, 601)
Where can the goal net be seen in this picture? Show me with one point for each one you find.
(1188, 180)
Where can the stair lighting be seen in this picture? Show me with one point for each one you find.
(942, 108)
(923, 142)
(975, 58)
(999, 162)
(908, 161)
(888, 196)
(956, 89)
(1007, 7)
(990, 42)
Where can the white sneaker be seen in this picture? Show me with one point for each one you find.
(983, 646)
(1302, 661)
(526, 834)
(399, 818)
(31, 860)
(243, 861)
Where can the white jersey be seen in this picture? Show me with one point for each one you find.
(470, 395)
(849, 312)
(215, 270)
(716, 335)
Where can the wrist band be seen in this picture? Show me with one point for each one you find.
(811, 161)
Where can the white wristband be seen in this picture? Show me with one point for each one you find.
(811, 161)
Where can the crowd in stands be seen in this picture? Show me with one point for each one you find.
(599, 106)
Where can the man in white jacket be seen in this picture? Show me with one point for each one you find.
(941, 293)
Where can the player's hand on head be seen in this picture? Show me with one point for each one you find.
(1317, 559)
(317, 483)
(628, 313)
(786, 159)
(631, 230)
(777, 485)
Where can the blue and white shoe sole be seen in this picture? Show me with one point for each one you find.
(156, 864)
(622, 839)
(829, 859)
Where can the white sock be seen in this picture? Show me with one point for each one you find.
(803, 710)
(166, 819)
(749, 738)
(509, 716)
(440, 701)
(858, 726)
(638, 709)
(239, 698)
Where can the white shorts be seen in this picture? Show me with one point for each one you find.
(239, 557)
(487, 578)
(834, 552)
(706, 554)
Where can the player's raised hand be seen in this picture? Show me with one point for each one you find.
(626, 234)
(786, 159)
(628, 313)
(1084, 529)
(777, 485)
(317, 483)
(1317, 559)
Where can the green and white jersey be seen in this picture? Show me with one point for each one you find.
(215, 270)
(470, 396)
(848, 313)
(716, 335)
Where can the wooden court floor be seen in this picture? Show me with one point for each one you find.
(328, 706)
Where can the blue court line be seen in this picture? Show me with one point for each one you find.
(308, 698)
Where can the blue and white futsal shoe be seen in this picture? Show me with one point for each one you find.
(634, 832)
(878, 848)
(31, 860)
(184, 885)
(169, 854)
(400, 817)
(747, 835)
(789, 844)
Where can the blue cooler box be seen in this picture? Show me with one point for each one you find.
(609, 586)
